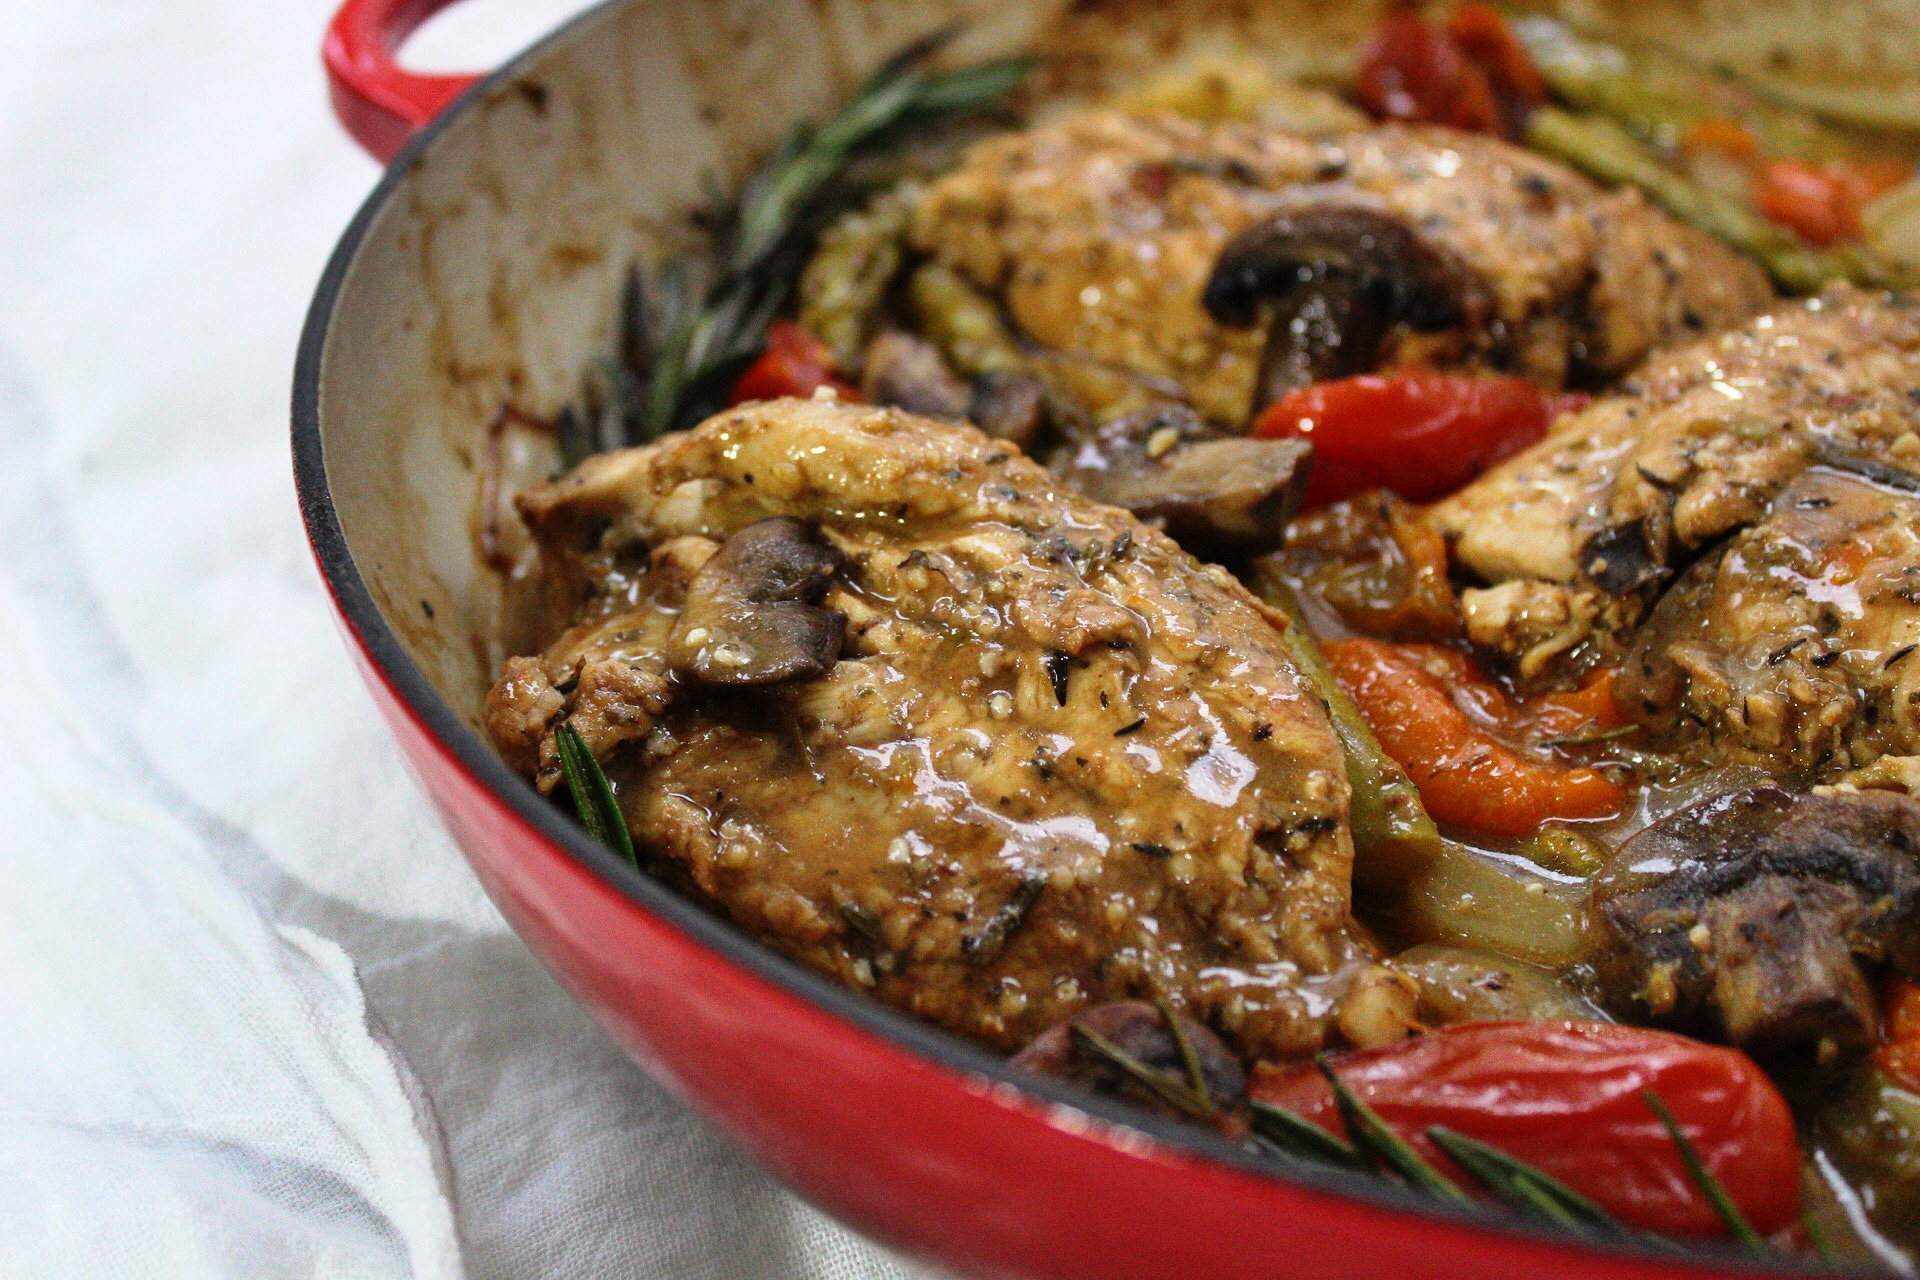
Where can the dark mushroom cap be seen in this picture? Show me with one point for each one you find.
(908, 372)
(1749, 917)
(750, 615)
(1009, 404)
(1333, 278)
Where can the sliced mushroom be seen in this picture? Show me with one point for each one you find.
(1749, 916)
(1333, 278)
(751, 614)
(1009, 405)
(909, 373)
(1213, 494)
(1140, 1031)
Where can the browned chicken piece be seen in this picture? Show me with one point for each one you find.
(1793, 646)
(897, 701)
(1574, 535)
(1100, 233)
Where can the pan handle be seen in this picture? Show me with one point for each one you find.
(381, 104)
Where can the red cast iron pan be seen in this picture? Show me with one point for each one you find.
(428, 316)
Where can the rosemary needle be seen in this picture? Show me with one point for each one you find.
(1159, 1084)
(1710, 1186)
(1300, 1138)
(1521, 1186)
(1382, 1146)
(684, 347)
(593, 797)
(1189, 1059)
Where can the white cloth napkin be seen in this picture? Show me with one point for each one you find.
(256, 1019)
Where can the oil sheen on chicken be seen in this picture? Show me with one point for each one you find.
(1057, 760)
(1099, 231)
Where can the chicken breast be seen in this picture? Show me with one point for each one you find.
(1054, 759)
(1099, 233)
(1575, 535)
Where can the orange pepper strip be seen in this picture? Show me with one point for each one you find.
(1899, 1056)
(1717, 133)
(1593, 707)
(1468, 779)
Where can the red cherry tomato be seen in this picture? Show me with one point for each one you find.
(1566, 1098)
(1419, 433)
(1411, 70)
(795, 363)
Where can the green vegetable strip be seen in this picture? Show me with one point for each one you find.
(1660, 94)
(1710, 1186)
(1610, 153)
(593, 797)
(1391, 829)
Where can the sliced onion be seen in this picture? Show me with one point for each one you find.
(1471, 899)
(1892, 225)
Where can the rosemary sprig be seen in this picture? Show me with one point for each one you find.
(1158, 1083)
(1300, 1138)
(592, 793)
(1189, 1058)
(1381, 1146)
(1817, 1236)
(1001, 924)
(1703, 1178)
(1521, 1186)
(684, 346)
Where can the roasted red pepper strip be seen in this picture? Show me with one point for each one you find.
(1899, 1057)
(795, 363)
(1566, 1098)
(1824, 202)
(1417, 432)
(1470, 73)
(1481, 32)
(1412, 695)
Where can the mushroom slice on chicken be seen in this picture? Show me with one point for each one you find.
(1332, 279)
(1617, 498)
(749, 615)
(1750, 916)
(1100, 232)
(1053, 761)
